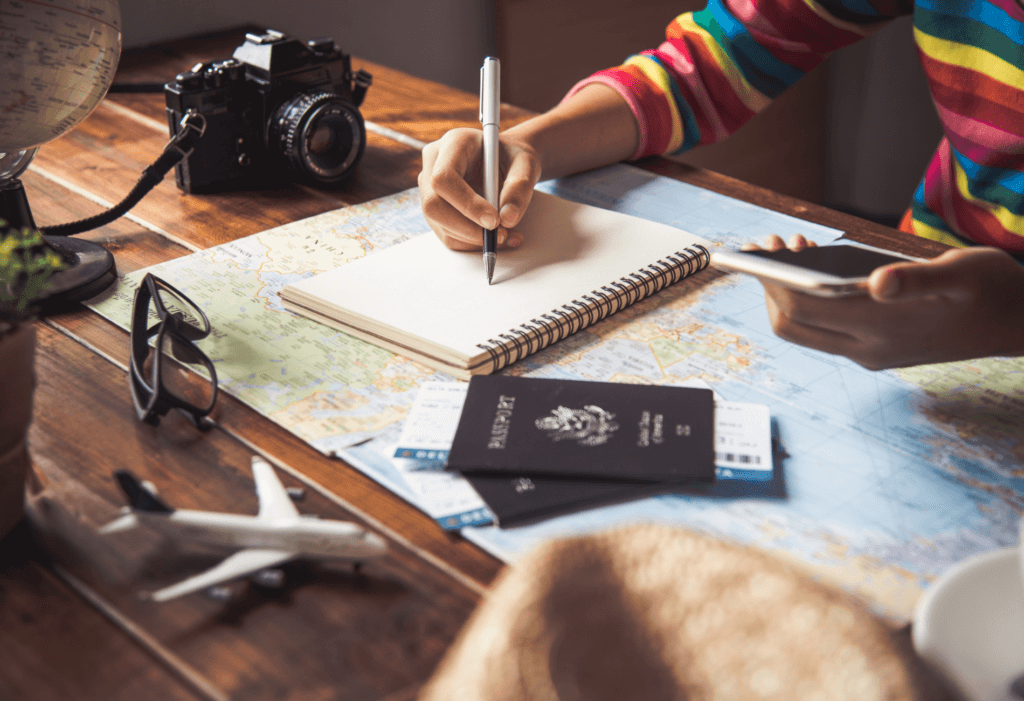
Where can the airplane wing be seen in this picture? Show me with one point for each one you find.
(274, 500)
(242, 563)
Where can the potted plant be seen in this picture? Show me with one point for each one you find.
(26, 263)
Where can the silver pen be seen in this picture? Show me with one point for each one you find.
(490, 92)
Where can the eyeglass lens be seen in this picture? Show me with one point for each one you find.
(183, 371)
(191, 323)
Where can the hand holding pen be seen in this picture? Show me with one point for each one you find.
(592, 128)
(490, 107)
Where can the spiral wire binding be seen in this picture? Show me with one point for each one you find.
(533, 335)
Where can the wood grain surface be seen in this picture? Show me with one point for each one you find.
(71, 612)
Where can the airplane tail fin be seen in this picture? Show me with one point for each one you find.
(139, 497)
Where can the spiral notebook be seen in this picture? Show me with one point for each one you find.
(578, 265)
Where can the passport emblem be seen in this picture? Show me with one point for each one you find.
(588, 426)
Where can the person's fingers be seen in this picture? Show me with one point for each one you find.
(517, 190)
(455, 230)
(428, 156)
(905, 281)
(885, 284)
(809, 335)
(798, 307)
(958, 276)
(450, 205)
(460, 244)
(459, 151)
(774, 243)
(451, 226)
(513, 238)
(832, 315)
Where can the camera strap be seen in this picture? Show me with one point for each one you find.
(177, 149)
(361, 81)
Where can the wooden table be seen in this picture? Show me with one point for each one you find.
(71, 624)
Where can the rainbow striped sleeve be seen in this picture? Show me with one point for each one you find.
(720, 66)
(973, 57)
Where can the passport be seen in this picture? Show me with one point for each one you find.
(517, 500)
(603, 432)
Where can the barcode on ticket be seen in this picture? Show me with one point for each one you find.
(735, 458)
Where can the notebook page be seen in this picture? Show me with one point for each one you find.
(422, 289)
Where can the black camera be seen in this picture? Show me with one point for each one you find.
(277, 106)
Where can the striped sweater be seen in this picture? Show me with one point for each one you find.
(720, 66)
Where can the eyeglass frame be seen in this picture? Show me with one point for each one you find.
(161, 399)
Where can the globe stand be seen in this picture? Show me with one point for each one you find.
(91, 265)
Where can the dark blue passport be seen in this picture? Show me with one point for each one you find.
(591, 431)
(517, 500)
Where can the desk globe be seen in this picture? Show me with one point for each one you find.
(59, 61)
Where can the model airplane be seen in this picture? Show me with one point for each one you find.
(277, 534)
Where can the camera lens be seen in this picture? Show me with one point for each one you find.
(320, 135)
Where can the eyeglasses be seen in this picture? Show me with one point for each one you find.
(173, 373)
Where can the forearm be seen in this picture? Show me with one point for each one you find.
(593, 128)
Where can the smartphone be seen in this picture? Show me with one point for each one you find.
(824, 271)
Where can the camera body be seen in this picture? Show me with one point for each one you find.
(277, 107)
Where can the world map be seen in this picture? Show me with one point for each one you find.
(882, 479)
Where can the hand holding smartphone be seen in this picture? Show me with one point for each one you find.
(824, 271)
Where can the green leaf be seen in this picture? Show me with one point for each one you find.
(26, 264)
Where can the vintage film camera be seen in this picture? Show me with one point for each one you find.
(277, 108)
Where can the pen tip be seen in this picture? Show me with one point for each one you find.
(489, 261)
